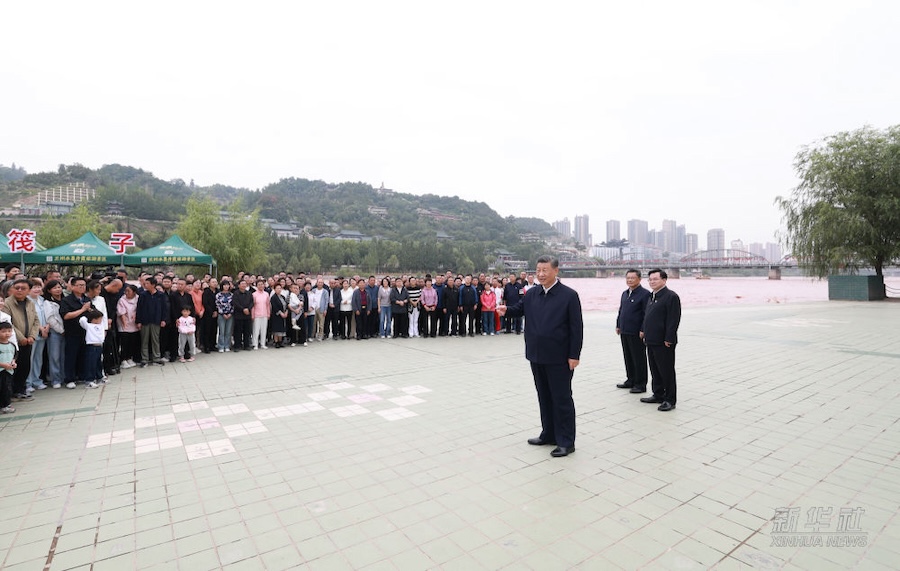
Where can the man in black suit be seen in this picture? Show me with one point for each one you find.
(553, 342)
(660, 333)
(628, 327)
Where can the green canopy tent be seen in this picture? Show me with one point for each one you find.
(7, 257)
(172, 252)
(88, 250)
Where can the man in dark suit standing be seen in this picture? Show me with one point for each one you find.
(660, 333)
(628, 327)
(553, 342)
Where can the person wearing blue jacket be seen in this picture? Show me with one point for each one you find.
(152, 313)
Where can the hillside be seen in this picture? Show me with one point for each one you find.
(453, 229)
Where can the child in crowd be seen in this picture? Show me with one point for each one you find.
(93, 323)
(187, 325)
(7, 366)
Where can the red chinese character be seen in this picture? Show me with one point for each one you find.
(21, 240)
(120, 241)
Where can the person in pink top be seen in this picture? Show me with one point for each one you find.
(488, 305)
(261, 312)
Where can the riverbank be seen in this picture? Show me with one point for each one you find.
(603, 294)
(411, 454)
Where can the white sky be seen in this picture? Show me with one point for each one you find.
(648, 110)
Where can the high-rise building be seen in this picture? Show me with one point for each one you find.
(737, 244)
(583, 230)
(613, 230)
(637, 232)
(773, 252)
(680, 244)
(757, 249)
(691, 243)
(669, 235)
(715, 239)
(563, 227)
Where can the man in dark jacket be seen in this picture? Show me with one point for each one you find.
(469, 299)
(242, 300)
(628, 327)
(510, 297)
(660, 333)
(151, 315)
(553, 341)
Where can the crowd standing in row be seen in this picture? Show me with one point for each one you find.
(79, 331)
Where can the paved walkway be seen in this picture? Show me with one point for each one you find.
(411, 454)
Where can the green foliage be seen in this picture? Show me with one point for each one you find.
(56, 231)
(845, 213)
(236, 244)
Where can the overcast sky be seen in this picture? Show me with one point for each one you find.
(691, 111)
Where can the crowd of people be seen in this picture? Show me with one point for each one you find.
(78, 331)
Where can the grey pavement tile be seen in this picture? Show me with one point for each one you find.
(454, 486)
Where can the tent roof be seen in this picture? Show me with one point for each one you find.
(87, 250)
(173, 251)
(6, 256)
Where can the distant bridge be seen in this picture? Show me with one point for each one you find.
(706, 259)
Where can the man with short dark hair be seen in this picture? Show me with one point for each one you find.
(629, 321)
(660, 333)
(27, 327)
(553, 341)
(72, 307)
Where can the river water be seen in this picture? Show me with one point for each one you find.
(603, 294)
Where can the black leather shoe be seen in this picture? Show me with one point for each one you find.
(624, 386)
(651, 400)
(638, 390)
(666, 407)
(538, 441)
(559, 451)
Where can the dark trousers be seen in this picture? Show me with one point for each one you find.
(443, 321)
(467, 321)
(168, 341)
(401, 324)
(5, 388)
(110, 362)
(23, 369)
(73, 364)
(93, 355)
(362, 320)
(514, 324)
(554, 389)
(372, 322)
(242, 328)
(344, 324)
(451, 322)
(662, 367)
(130, 343)
(635, 353)
(430, 319)
(208, 332)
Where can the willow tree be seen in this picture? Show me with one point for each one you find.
(236, 244)
(845, 213)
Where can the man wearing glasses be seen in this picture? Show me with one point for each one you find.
(27, 327)
(72, 307)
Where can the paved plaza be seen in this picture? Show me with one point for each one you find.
(410, 454)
